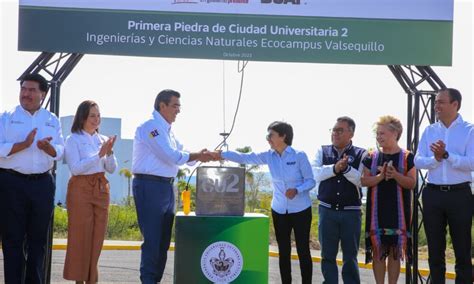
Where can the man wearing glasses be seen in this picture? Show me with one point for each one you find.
(337, 168)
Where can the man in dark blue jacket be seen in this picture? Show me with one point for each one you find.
(338, 169)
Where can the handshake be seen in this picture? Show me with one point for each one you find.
(206, 156)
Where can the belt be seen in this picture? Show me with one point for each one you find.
(169, 180)
(26, 176)
(448, 187)
(339, 208)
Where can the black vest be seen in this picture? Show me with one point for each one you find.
(337, 192)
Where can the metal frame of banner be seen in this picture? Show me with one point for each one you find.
(420, 83)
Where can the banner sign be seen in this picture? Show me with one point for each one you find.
(415, 32)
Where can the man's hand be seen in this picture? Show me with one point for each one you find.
(205, 156)
(342, 164)
(438, 148)
(291, 193)
(45, 145)
(216, 155)
(30, 138)
(20, 146)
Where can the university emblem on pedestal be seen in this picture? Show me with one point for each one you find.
(221, 262)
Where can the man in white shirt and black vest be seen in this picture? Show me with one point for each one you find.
(30, 142)
(446, 150)
(338, 168)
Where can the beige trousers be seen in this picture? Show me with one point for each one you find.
(87, 200)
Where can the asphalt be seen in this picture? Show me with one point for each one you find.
(119, 263)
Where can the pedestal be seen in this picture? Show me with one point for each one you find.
(221, 249)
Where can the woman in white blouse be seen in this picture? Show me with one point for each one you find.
(88, 155)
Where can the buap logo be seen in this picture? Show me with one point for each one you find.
(184, 2)
(221, 262)
(295, 2)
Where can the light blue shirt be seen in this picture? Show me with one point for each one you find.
(459, 140)
(156, 151)
(290, 170)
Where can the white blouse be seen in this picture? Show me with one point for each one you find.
(81, 153)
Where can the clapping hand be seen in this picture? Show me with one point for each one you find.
(45, 145)
(30, 138)
(107, 147)
(382, 170)
(390, 171)
(291, 193)
(342, 164)
(438, 148)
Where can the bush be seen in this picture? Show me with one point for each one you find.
(60, 223)
(122, 224)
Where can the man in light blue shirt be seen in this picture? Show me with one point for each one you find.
(292, 179)
(157, 154)
(446, 150)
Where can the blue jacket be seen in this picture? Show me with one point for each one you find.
(339, 191)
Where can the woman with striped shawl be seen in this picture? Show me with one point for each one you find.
(390, 176)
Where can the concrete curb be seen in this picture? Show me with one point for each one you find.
(423, 272)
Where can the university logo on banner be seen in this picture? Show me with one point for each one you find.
(221, 262)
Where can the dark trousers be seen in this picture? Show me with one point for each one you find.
(453, 208)
(339, 227)
(28, 207)
(154, 202)
(2, 208)
(300, 222)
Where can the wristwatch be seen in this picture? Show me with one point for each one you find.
(446, 155)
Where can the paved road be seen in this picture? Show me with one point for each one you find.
(122, 267)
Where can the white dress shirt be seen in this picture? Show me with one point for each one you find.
(156, 151)
(290, 170)
(459, 140)
(82, 154)
(15, 125)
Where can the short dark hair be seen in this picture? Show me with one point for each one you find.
(454, 94)
(165, 97)
(282, 128)
(43, 83)
(82, 113)
(350, 122)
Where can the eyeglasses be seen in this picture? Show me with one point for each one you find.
(337, 131)
(268, 136)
